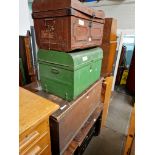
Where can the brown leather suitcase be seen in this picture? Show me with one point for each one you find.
(109, 50)
(110, 30)
(66, 25)
(67, 121)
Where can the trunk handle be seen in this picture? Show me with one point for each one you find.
(55, 71)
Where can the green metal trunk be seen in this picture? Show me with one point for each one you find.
(67, 75)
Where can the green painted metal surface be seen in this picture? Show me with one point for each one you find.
(67, 75)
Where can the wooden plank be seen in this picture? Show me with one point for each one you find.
(109, 45)
(29, 58)
(22, 55)
(131, 134)
(109, 52)
(110, 30)
(133, 147)
(106, 98)
(33, 109)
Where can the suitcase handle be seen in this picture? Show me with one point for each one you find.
(54, 70)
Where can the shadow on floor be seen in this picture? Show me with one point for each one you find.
(119, 112)
(112, 137)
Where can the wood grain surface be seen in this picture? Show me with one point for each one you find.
(129, 145)
(33, 109)
(106, 97)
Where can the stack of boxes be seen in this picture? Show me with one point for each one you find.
(68, 35)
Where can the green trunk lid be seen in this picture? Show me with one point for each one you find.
(70, 61)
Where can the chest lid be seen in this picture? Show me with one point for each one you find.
(70, 61)
(45, 6)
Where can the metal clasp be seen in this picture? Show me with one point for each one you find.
(91, 21)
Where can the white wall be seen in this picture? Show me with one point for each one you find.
(125, 15)
(24, 20)
(30, 14)
(123, 11)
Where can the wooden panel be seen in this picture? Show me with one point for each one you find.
(131, 134)
(109, 52)
(54, 5)
(106, 98)
(46, 151)
(28, 51)
(22, 55)
(28, 54)
(38, 146)
(33, 109)
(31, 135)
(133, 147)
(109, 45)
(110, 30)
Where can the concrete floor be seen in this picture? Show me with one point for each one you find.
(112, 137)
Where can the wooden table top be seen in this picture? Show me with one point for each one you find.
(33, 109)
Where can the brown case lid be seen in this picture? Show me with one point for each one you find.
(52, 5)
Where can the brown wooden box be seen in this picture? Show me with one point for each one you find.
(66, 25)
(109, 50)
(110, 30)
(66, 123)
